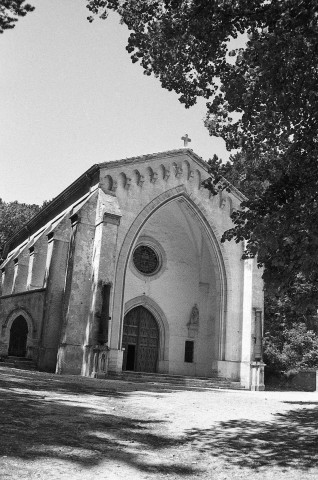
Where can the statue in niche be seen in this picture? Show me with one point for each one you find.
(193, 324)
(194, 318)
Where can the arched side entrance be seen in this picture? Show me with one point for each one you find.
(18, 337)
(7, 332)
(140, 341)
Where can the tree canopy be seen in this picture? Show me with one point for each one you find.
(13, 216)
(261, 99)
(10, 11)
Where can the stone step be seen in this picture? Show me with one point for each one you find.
(21, 363)
(189, 384)
(179, 381)
(168, 377)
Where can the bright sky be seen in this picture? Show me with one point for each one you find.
(70, 97)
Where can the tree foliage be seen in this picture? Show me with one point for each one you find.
(291, 327)
(13, 216)
(291, 349)
(261, 99)
(10, 11)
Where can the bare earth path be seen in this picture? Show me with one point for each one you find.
(66, 427)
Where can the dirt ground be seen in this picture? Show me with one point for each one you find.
(66, 427)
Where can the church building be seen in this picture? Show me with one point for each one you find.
(125, 271)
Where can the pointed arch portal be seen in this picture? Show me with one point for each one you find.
(194, 214)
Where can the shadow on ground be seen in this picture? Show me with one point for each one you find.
(48, 417)
(290, 440)
(85, 422)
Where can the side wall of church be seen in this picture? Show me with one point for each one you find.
(53, 278)
(34, 281)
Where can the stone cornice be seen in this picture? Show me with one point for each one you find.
(164, 155)
(26, 292)
(155, 156)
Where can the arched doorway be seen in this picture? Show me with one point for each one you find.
(140, 341)
(18, 337)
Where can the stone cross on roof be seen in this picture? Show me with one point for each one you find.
(186, 140)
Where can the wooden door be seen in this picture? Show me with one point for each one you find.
(140, 340)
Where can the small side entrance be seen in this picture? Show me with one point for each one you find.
(140, 341)
(18, 337)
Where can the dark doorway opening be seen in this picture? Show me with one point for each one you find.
(18, 337)
(130, 361)
(188, 353)
(140, 341)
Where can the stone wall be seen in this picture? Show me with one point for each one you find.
(306, 380)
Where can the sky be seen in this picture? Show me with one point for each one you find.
(70, 97)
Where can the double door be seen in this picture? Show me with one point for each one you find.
(140, 341)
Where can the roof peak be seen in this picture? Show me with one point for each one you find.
(148, 156)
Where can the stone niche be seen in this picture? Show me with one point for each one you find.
(193, 323)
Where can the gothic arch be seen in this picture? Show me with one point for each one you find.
(15, 314)
(129, 241)
(6, 327)
(160, 317)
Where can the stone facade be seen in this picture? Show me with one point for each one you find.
(72, 274)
